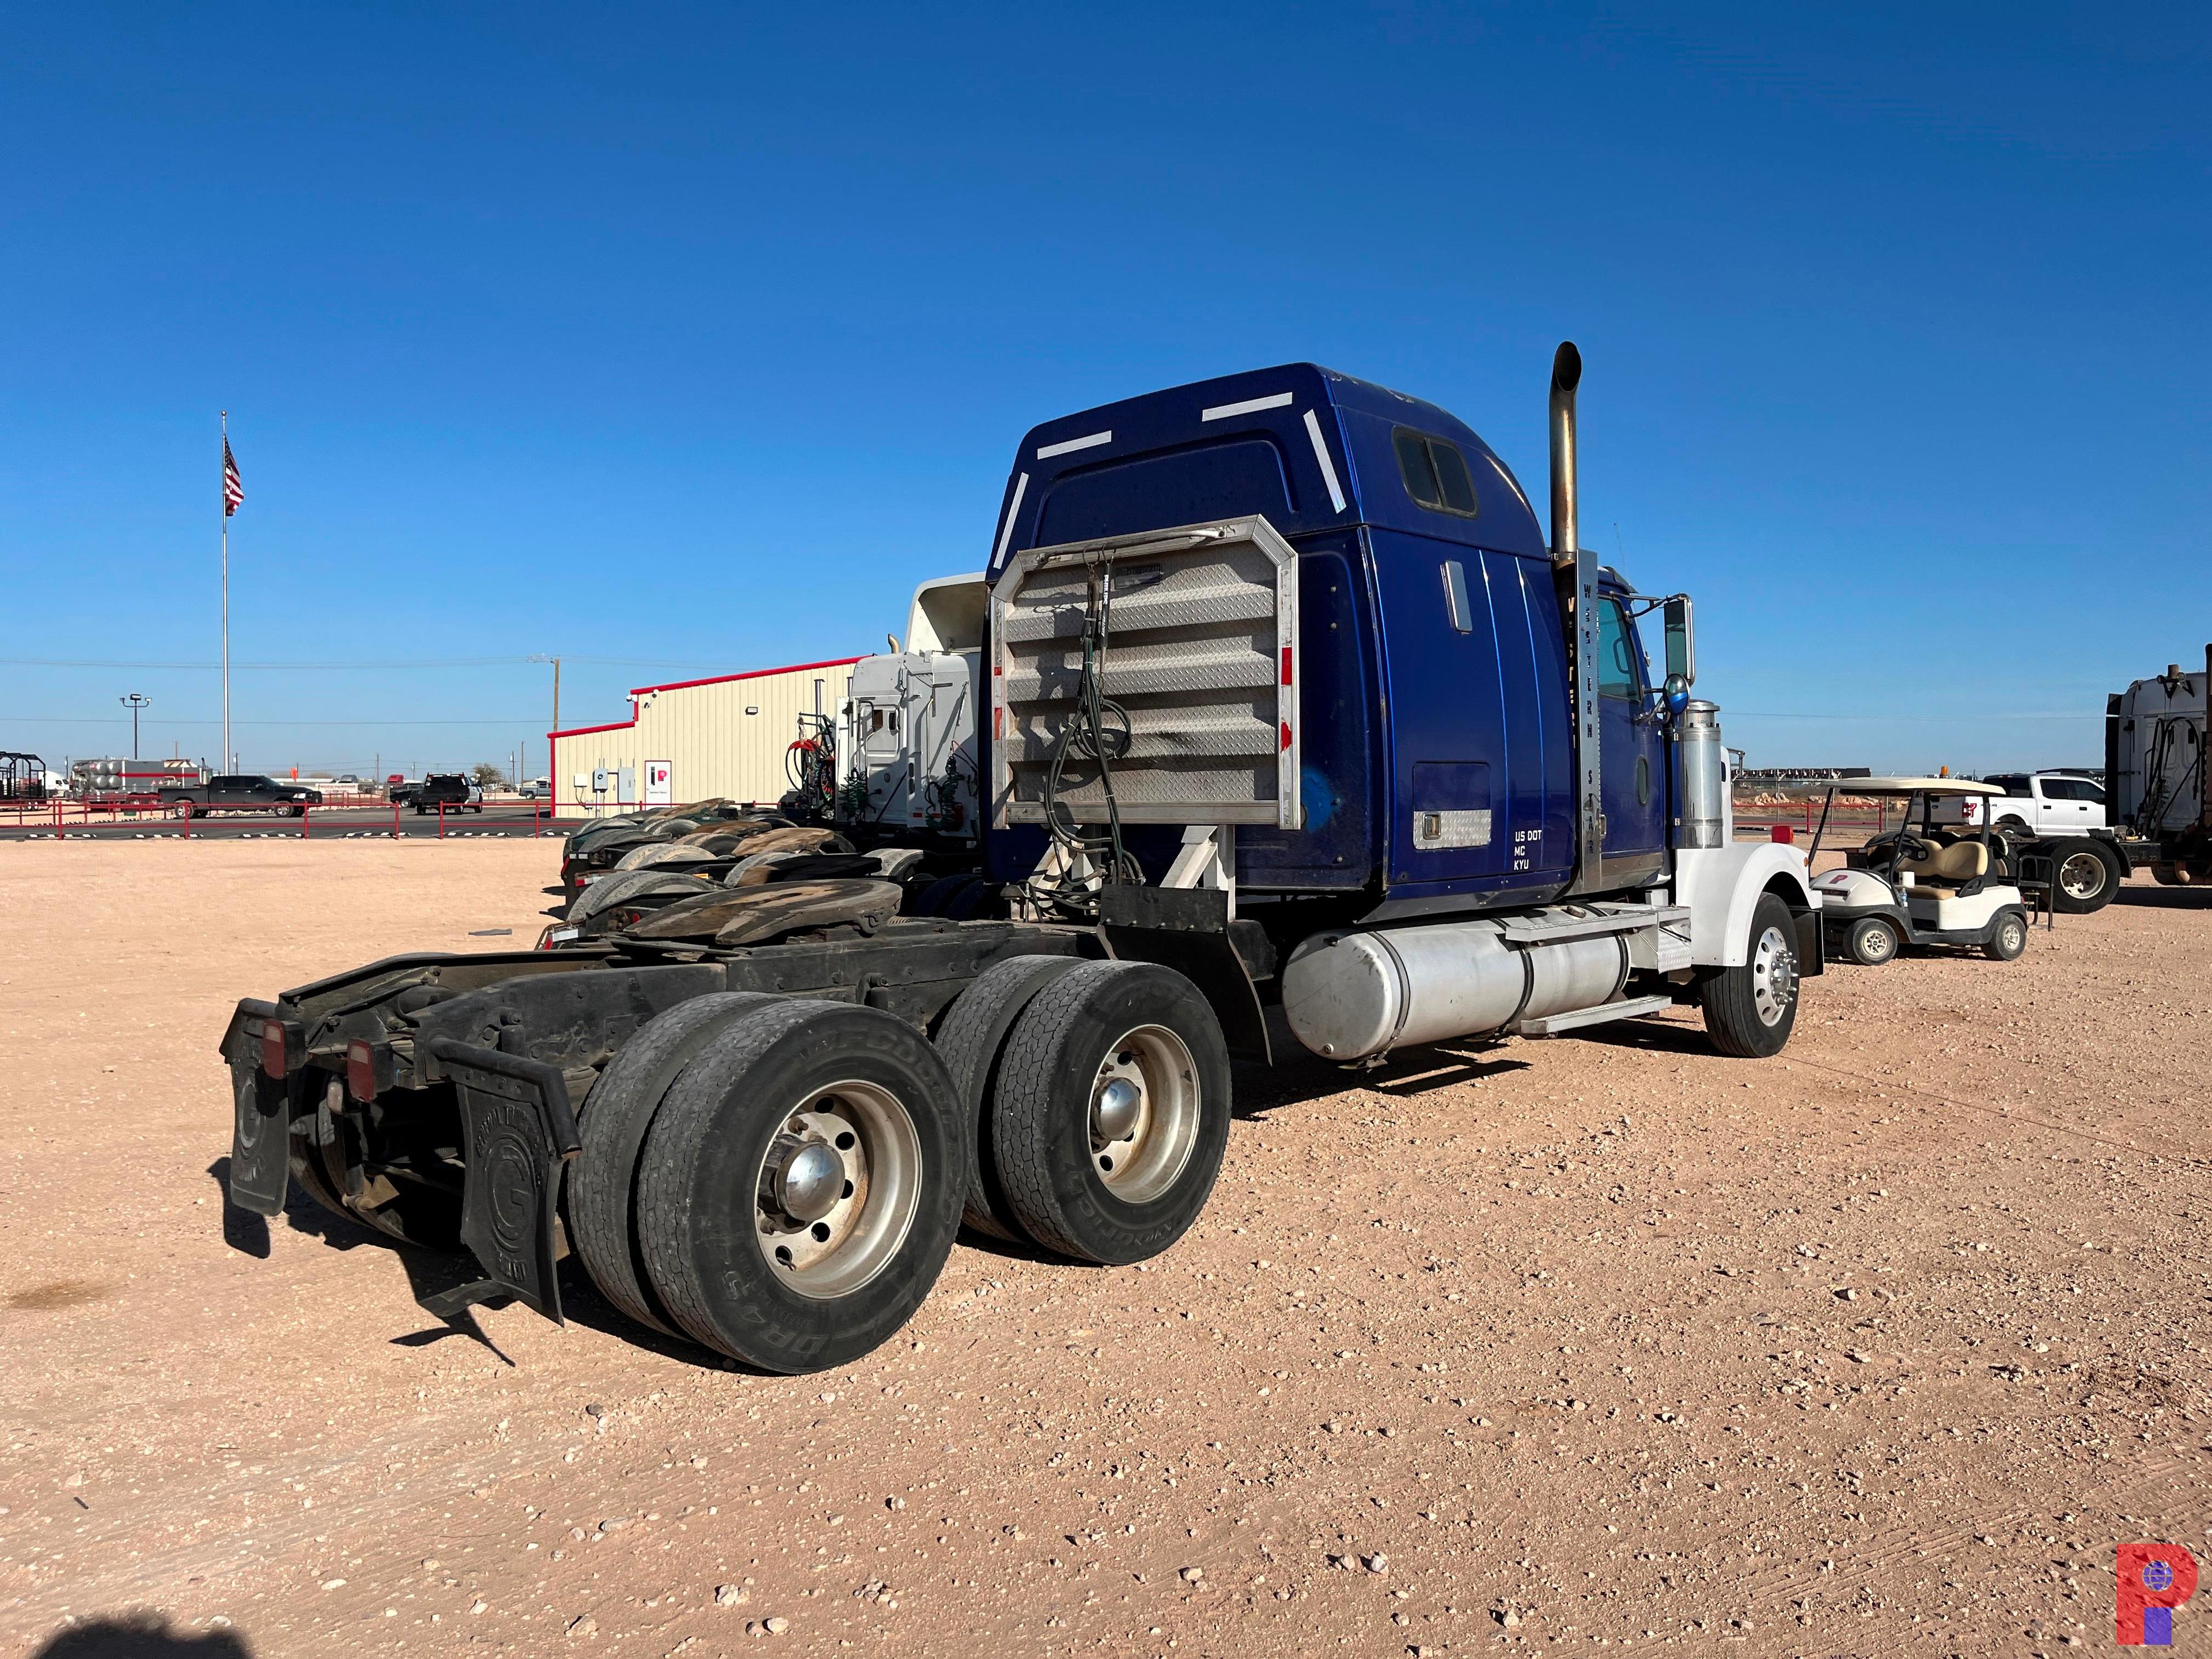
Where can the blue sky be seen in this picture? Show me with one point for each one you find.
(680, 340)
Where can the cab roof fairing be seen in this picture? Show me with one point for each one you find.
(1328, 439)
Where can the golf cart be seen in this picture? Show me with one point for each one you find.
(1924, 883)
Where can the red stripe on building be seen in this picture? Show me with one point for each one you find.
(749, 674)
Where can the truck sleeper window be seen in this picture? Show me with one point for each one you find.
(1435, 474)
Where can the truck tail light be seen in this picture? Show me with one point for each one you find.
(1786, 833)
(1286, 665)
(272, 1047)
(361, 1071)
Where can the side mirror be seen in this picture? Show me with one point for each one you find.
(1681, 644)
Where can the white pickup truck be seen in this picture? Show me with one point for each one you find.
(2043, 803)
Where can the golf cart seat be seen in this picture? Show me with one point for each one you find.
(1949, 872)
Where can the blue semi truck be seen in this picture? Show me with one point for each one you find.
(1294, 727)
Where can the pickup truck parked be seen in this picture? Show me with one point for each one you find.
(446, 789)
(240, 793)
(2047, 802)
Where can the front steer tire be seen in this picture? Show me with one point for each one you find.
(1074, 1185)
(746, 1268)
(1751, 1009)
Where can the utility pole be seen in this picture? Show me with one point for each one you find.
(552, 753)
(134, 701)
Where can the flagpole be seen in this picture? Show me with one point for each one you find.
(222, 491)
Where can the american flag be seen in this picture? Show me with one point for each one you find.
(234, 492)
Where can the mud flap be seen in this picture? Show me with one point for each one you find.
(1188, 929)
(519, 1131)
(1812, 944)
(261, 1110)
(260, 1139)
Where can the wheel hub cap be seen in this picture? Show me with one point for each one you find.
(838, 1189)
(1773, 976)
(810, 1182)
(1143, 1114)
(2082, 876)
(1114, 1115)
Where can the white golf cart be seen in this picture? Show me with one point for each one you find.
(1925, 883)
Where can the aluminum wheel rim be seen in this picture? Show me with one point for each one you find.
(1139, 1166)
(1773, 976)
(873, 1136)
(1878, 953)
(2082, 876)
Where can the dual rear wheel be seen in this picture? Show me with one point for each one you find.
(781, 1180)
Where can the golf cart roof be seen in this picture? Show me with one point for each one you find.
(1915, 786)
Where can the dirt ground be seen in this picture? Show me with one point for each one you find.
(1881, 1346)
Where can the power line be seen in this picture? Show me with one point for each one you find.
(1910, 720)
(351, 667)
(510, 721)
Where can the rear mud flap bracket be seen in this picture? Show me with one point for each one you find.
(1187, 929)
(520, 1130)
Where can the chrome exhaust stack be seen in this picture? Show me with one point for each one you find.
(1566, 375)
(1575, 571)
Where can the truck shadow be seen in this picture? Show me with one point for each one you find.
(2165, 898)
(1651, 1036)
(1298, 1075)
(142, 1635)
(243, 1231)
(429, 1273)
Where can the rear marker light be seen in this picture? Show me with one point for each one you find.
(272, 1048)
(361, 1071)
(1286, 665)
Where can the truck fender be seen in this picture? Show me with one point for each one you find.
(1721, 884)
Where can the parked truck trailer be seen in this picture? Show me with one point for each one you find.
(1297, 724)
(2156, 780)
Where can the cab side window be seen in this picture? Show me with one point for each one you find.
(1618, 650)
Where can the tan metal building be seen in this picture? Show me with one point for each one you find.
(695, 739)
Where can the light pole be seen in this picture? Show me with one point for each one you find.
(134, 701)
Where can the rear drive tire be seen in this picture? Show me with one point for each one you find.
(1874, 940)
(972, 1042)
(2087, 876)
(2009, 938)
(802, 1183)
(1750, 1010)
(1112, 1111)
(618, 1113)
